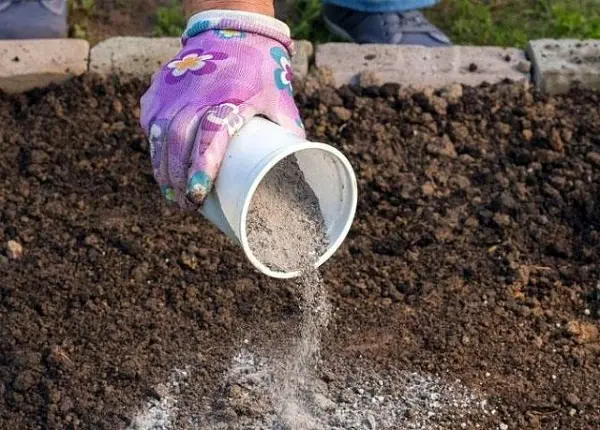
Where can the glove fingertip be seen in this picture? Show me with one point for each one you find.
(199, 185)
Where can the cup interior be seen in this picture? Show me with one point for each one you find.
(328, 172)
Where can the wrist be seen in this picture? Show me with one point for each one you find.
(264, 7)
(240, 21)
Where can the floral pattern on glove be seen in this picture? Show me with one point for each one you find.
(196, 62)
(197, 28)
(230, 34)
(169, 193)
(227, 115)
(157, 136)
(285, 73)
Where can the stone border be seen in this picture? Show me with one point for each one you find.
(560, 64)
(421, 67)
(27, 64)
(556, 65)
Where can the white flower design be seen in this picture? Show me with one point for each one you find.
(155, 135)
(190, 62)
(227, 114)
(156, 138)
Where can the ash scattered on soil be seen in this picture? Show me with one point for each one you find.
(390, 400)
(160, 411)
(473, 256)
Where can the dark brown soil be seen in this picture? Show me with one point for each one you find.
(474, 255)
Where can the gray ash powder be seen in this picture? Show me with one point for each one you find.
(285, 225)
(293, 391)
(286, 232)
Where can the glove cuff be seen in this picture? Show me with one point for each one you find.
(232, 20)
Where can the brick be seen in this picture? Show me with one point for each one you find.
(559, 65)
(132, 56)
(27, 64)
(142, 56)
(302, 58)
(421, 67)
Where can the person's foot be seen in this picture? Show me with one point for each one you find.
(399, 28)
(34, 19)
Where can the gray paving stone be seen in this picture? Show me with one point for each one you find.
(27, 64)
(302, 58)
(132, 56)
(422, 67)
(142, 56)
(558, 65)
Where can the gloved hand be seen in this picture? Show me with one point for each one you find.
(233, 66)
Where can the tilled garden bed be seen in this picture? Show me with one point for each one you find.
(467, 294)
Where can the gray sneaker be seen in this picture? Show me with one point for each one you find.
(33, 19)
(398, 28)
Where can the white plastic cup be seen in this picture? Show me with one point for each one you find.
(255, 150)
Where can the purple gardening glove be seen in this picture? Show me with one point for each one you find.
(233, 66)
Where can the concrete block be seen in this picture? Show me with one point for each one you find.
(422, 67)
(133, 56)
(142, 56)
(559, 65)
(302, 58)
(27, 64)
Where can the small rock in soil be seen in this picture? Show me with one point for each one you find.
(368, 79)
(582, 332)
(556, 141)
(572, 399)
(14, 250)
(502, 220)
(594, 158)
(443, 146)
(39, 157)
(330, 97)
(342, 113)
(453, 93)
(428, 189)
(189, 261)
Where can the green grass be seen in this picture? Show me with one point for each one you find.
(306, 21)
(514, 22)
(474, 22)
(80, 12)
(169, 20)
(482, 22)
